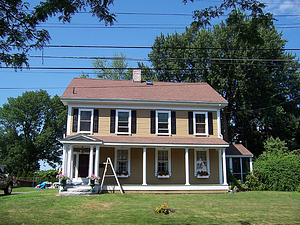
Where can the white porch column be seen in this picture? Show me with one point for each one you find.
(224, 168)
(187, 171)
(97, 158)
(64, 160)
(144, 166)
(91, 160)
(70, 162)
(251, 165)
(220, 167)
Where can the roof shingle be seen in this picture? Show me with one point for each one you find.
(126, 89)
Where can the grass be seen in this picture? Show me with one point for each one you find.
(46, 207)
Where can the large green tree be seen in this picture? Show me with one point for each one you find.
(253, 72)
(19, 32)
(31, 125)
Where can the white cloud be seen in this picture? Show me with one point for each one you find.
(283, 7)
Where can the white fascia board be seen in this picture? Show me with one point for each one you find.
(82, 142)
(239, 156)
(67, 101)
(167, 187)
(166, 145)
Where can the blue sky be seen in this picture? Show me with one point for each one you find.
(139, 22)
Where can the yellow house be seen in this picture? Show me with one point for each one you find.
(161, 136)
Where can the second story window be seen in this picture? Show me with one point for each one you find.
(123, 121)
(163, 122)
(200, 123)
(85, 120)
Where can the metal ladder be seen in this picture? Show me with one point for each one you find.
(108, 162)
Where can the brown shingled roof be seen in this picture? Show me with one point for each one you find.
(126, 89)
(237, 149)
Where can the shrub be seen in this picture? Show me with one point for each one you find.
(163, 208)
(276, 168)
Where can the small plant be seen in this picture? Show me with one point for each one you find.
(62, 177)
(163, 173)
(122, 172)
(163, 208)
(202, 173)
(93, 177)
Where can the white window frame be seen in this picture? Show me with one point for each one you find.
(116, 162)
(169, 123)
(206, 123)
(79, 119)
(156, 162)
(207, 159)
(117, 122)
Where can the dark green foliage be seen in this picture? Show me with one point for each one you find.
(31, 125)
(276, 169)
(259, 80)
(19, 32)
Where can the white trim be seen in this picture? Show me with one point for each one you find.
(117, 121)
(215, 146)
(156, 122)
(79, 118)
(169, 162)
(144, 166)
(219, 124)
(224, 168)
(116, 161)
(187, 171)
(207, 161)
(239, 156)
(69, 125)
(220, 167)
(199, 104)
(206, 123)
(167, 187)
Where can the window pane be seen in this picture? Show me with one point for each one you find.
(162, 158)
(200, 128)
(201, 161)
(200, 118)
(246, 165)
(163, 117)
(123, 116)
(122, 161)
(236, 165)
(85, 126)
(85, 115)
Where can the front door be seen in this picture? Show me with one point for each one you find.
(83, 169)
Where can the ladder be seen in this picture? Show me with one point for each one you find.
(108, 162)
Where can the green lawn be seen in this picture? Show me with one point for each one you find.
(46, 207)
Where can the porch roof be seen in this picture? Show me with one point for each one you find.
(238, 150)
(196, 142)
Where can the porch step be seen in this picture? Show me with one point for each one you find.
(78, 190)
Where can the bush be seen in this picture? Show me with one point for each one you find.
(276, 169)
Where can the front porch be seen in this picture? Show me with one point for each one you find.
(138, 164)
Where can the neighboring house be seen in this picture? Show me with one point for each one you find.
(239, 160)
(161, 137)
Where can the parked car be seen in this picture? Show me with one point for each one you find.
(6, 182)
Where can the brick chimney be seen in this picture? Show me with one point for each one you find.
(137, 75)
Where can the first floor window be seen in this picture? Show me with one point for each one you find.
(202, 163)
(163, 163)
(122, 162)
(123, 121)
(85, 120)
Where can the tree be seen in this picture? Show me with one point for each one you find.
(258, 79)
(116, 70)
(19, 33)
(276, 169)
(31, 125)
